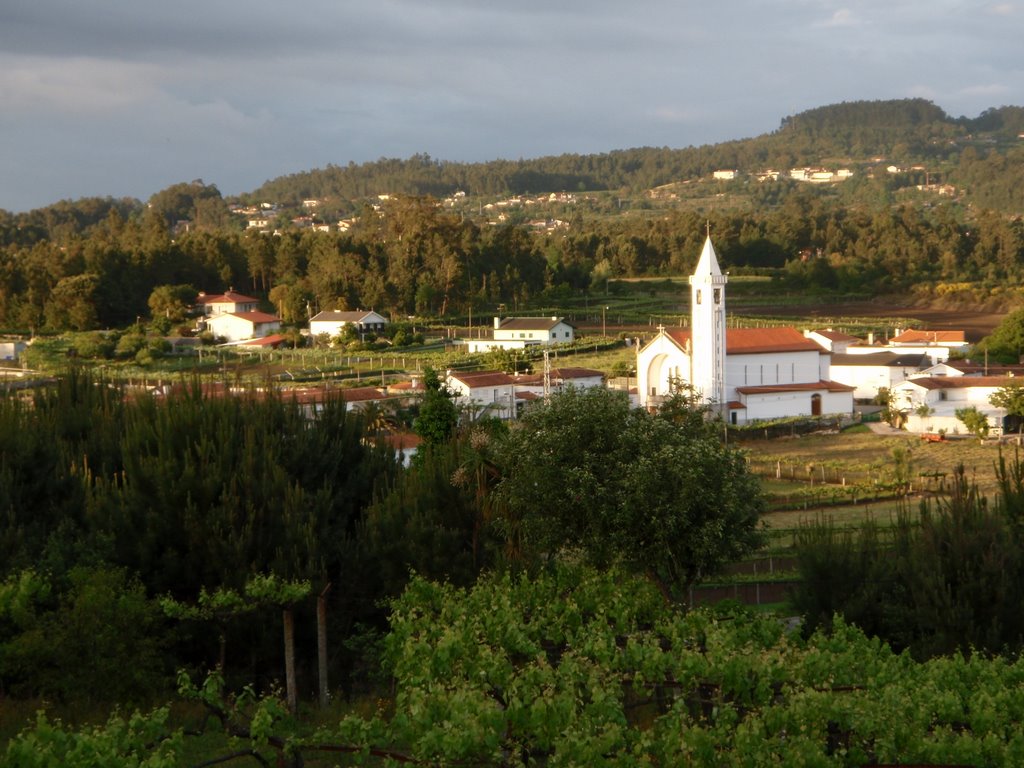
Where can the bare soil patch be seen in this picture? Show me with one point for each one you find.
(976, 323)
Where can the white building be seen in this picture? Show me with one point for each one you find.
(867, 374)
(747, 374)
(483, 393)
(332, 322)
(239, 326)
(522, 332)
(558, 379)
(943, 396)
(221, 303)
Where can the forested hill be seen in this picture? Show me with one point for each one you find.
(904, 131)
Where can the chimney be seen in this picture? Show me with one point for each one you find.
(497, 323)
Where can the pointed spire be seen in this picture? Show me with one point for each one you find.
(708, 262)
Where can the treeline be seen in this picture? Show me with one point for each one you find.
(413, 258)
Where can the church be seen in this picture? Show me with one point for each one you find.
(745, 374)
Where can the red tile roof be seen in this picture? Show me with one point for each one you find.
(910, 336)
(226, 298)
(814, 386)
(475, 379)
(255, 317)
(756, 341)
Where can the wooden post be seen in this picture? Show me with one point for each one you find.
(321, 645)
(289, 661)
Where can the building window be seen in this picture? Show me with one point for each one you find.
(718, 295)
(698, 297)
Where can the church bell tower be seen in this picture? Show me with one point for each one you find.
(707, 329)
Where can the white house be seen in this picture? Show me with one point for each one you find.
(522, 332)
(10, 350)
(832, 341)
(483, 393)
(332, 322)
(748, 374)
(222, 303)
(558, 379)
(943, 395)
(869, 373)
(936, 344)
(239, 326)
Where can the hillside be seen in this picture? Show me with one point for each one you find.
(864, 133)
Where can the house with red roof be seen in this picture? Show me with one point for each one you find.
(222, 303)
(522, 332)
(744, 374)
(483, 393)
(241, 326)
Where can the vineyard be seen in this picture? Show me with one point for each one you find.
(581, 668)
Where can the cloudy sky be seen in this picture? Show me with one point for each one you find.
(126, 97)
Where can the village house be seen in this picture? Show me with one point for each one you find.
(868, 374)
(832, 341)
(241, 326)
(483, 394)
(745, 374)
(222, 303)
(558, 379)
(929, 403)
(522, 332)
(333, 322)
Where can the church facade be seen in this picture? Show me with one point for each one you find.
(744, 374)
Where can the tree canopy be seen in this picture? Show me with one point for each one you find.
(586, 471)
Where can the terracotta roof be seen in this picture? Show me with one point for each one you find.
(813, 386)
(528, 396)
(910, 336)
(473, 379)
(226, 298)
(359, 394)
(755, 341)
(274, 340)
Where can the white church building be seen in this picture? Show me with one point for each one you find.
(746, 374)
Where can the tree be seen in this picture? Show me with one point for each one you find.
(974, 420)
(172, 301)
(438, 415)
(1006, 342)
(1011, 398)
(584, 470)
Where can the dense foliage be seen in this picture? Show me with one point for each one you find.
(950, 581)
(576, 667)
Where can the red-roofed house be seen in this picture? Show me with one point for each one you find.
(483, 393)
(221, 303)
(746, 374)
(581, 378)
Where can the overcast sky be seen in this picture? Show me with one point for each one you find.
(126, 97)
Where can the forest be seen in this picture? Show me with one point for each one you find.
(95, 263)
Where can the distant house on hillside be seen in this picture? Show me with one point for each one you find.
(239, 326)
(522, 332)
(220, 303)
(333, 322)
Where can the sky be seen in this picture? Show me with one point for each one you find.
(123, 98)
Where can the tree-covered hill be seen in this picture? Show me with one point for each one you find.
(904, 131)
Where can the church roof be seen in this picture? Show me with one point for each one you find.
(754, 341)
(811, 386)
(708, 262)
